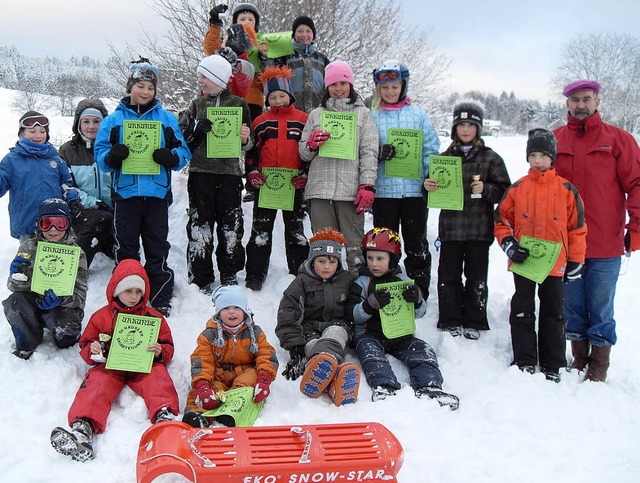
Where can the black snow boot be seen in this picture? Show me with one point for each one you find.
(77, 443)
(443, 398)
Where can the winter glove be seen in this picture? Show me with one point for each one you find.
(515, 252)
(412, 294)
(117, 154)
(296, 365)
(204, 395)
(49, 300)
(387, 151)
(230, 56)
(197, 128)
(262, 391)
(573, 272)
(76, 209)
(102, 206)
(631, 241)
(166, 157)
(214, 14)
(256, 179)
(300, 181)
(19, 265)
(376, 300)
(364, 199)
(317, 139)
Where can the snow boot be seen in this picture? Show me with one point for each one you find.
(470, 333)
(598, 363)
(77, 443)
(195, 419)
(580, 353)
(320, 371)
(164, 414)
(552, 375)
(382, 392)
(527, 369)
(455, 331)
(343, 389)
(443, 398)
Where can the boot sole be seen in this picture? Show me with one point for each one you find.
(66, 443)
(320, 371)
(345, 385)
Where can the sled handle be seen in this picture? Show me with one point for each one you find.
(297, 430)
(192, 444)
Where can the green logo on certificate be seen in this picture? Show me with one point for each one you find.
(142, 138)
(223, 141)
(447, 170)
(278, 192)
(398, 318)
(131, 337)
(238, 405)
(408, 159)
(55, 268)
(342, 128)
(543, 255)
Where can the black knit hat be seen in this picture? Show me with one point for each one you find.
(54, 207)
(542, 141)
(467, 112)
(304, 20)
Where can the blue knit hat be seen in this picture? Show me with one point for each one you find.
(142, 70)
(227, 296)
(277, 79)
(54, 207)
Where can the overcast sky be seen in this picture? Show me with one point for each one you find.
(494, 45)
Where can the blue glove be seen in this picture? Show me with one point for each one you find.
(49, 301)
(18, 265)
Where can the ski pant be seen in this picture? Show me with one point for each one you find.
(28, 321)
(340, 215)
(410, 214)
(214, 199)
(101, 386)
(416, 354)
(146, 218)
(260, 242)
(333, 340)
(466, 305)
(94, 233)
(550, 344)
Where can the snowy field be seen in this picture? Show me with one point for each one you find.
(510, 426)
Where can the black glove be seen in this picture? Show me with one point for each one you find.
(387, 151)
(376, 300)
(230, 56)
(296, 365)
(118, 153)
(214, 14)
(515, 252)
(201, 126)
(102, 206)
(412, 294)
(166, 157)
(573, 272)
(76, 209)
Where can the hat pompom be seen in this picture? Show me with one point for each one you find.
(329, 234)
(277, 79)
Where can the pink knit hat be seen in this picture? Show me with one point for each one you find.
(338, 71)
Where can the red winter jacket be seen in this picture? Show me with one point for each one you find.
(603, 162)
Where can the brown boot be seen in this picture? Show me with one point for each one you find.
(580, 353)
(598, 363)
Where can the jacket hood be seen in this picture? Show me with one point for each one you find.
(124, 269)
(86, 104)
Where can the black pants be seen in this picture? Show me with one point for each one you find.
(259, 246)
(463, 305)
(214, 200)
(94, 233)
(550, 344)
(412, 214)
(146, 218)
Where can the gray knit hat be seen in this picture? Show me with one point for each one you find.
(327, 242)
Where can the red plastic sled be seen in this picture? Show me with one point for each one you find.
(366, 452)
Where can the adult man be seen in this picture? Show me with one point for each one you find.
(603, 162)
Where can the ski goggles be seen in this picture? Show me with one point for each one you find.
(32, 121)
(386, 76)
(46, 223)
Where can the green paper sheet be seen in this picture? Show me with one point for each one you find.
(56, 268)
(398, 318)
(223, 141)
(543, 255)
(142, 138)
(448, 171)
(278, 192)
(131, 337)
(279, 44)
(342, 127)
(239, 405)
(408, 159)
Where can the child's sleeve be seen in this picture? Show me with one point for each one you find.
(497, 179)
(203, 364)
(91, 333)
(312, 124)
(246, 119)
(108, 134)
(290, 316)
(430, 142)
(5, 176)
(266, 359)
(503, 216)
(69, 191)
(576, 226)
(79, 297)
(165, 339)
(355, 310)
(212, 40)
(369, 140)
(28, 246)
(174, 140)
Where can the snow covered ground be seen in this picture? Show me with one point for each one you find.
(510, 426)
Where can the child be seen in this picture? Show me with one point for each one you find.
(466, 235)
(127, 293)
(141, 201)
(400, 200)
(215, 184)
(340, 191)
(312, 322)
(28, 312)
(32, 172)
(277, 133)
(232, 352)
(541, 205)
(381, 249)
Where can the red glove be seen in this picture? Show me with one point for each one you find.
(256, 179)
(364, 199)
(632, 241)
(262, 387)
(300, 181)
(204, 395)
(317, 139)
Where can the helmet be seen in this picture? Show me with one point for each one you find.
(246, 7)
(384, 240)
(390, 71)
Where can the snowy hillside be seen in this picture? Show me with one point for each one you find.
(510, 426)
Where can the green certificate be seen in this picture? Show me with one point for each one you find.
(447, 170)
(398, 318)
(408, 159)
(238, 405)
(543, 255)
(278, 192)
(142, 138)
(223, 141)
(279, 44)
(131, 337)
(55, 268)
(342, 127)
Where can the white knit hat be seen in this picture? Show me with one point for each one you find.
(130, 281)
(215, 68)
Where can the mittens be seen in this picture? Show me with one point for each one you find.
(204, 395)
(166, 157)
(262, 391)
(387, 151)
(117, 154)
(412, 294)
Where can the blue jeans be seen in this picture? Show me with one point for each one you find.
(588, 302)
